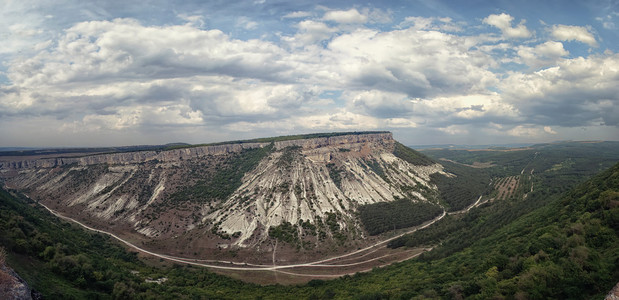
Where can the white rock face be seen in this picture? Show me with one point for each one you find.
(304, 179)
(277, 192)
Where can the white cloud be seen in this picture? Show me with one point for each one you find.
(103, 49)
(576, 92)
(504, 23)
(548, 129)
(541, 55)
(573, 33)
(336, 72)
(297, 14)
(454, 130)
(433, 23)
(195, 20)
(345, 16)
(608, 21)
(413, 62)
(379, 103)
(310, 32)
(246, 23)
(527, 131)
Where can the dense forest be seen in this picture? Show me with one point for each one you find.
(401, 213)
(560, 241)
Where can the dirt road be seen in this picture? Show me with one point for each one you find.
(241, 266)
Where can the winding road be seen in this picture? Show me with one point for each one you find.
(217, 264)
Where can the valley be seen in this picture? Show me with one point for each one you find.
(519, 217)
(312, 196)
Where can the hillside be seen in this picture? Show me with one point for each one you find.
(566, 249)
(237, 200)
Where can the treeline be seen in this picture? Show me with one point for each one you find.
(384, 216)
(411, 156)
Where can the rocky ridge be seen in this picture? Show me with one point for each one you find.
(315, 185)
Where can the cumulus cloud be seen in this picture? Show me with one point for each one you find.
(297, 14)
(573, 33)
(417, 63)
(544, 54)
(548, 129)
(333, 70)
(576, 92)
(92, 51)
(345, 16)
(504, 23)
(310, 32)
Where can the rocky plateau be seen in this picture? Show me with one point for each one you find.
(226, 200)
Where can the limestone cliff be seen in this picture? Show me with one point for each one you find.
(230, 195)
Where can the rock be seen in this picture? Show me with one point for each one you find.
(165, 194)
(613, 294)
(12, 286)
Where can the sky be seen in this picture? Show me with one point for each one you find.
(112, 73)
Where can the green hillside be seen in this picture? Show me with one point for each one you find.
(550, 244)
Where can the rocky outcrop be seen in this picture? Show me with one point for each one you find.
(12, 286)
(192, 152)
(613, 294)
(130, 157)
(316, 184)
(376, 138)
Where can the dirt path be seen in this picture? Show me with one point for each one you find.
(229, 265)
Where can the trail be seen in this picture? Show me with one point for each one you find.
(466, 209)
(215, 264)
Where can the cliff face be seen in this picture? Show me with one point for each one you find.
(230, 195)
(130, 157)
(190, 153)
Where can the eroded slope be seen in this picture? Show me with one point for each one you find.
(304, 192)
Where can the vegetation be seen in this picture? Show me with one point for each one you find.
(557, 242)
(336, 174)
(411, 156)
(284, 232)
(376, 168)
(465, 188)
(226, 179)
(384, 216)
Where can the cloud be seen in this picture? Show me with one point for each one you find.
(124, 49)
(328, 70)
(541, 55)
(417, 63)
(380, 104)
(576, 92)
(345, 16)
(309, 33)
(548, 129)
(573, 33)
(246, 23)
(527, 131)
(297, 14)
(454, 130)
(432, 23)
(504, 23)
(608, 21)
